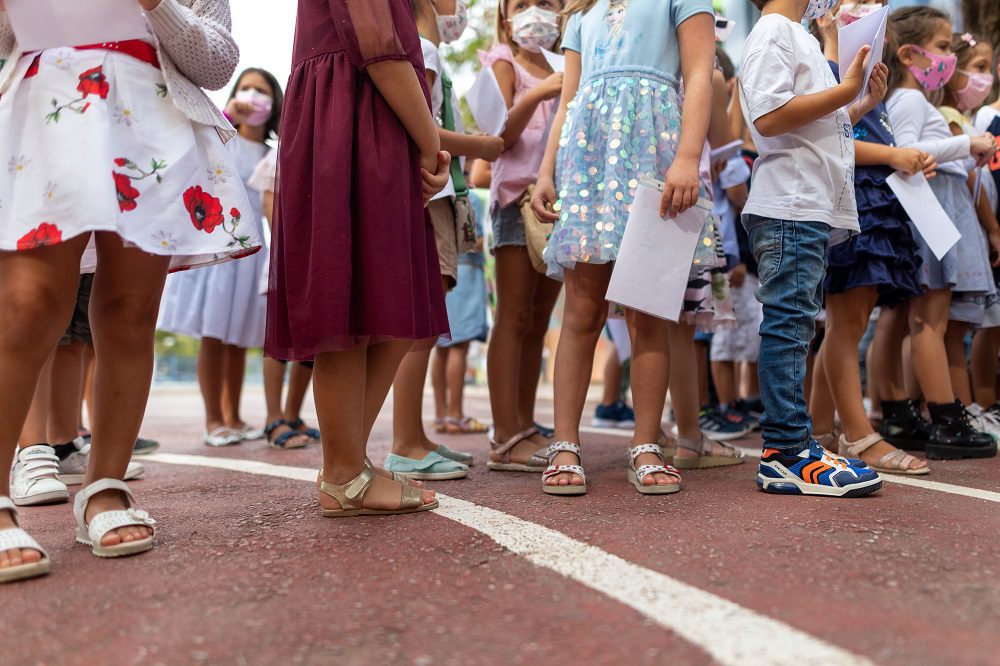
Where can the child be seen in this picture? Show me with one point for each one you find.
(958, 284)
(413, 453)
(525, 297)
(355, 273)
(877, 267)
(801, 200)
(128, 116)
(620, 117)
(222, 305)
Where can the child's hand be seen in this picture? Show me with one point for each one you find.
(543, 199)
(434, 172)
(148, 5)
(982, 148)
(239, 112)
(680, 188)
(738, 275)
(551, 87)
(908, 160)
(854, 78)
(930, 167)
(878, 84)
(489, 147)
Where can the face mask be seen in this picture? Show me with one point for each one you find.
(261, 103)
(451, 26)
(535, 29)
(941, 69)
(849, 13)
(975, 91)
(818, 9)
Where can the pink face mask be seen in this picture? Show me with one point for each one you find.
(975, 91)
(941, 69)
(849, 13)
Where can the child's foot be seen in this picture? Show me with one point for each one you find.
(882, 456)
(384, 494)
(698, 454)
(564, 475)
(814, 471)
(15, 557)
(112, 500)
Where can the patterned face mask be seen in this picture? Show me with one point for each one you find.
(940, 71)
(818, 9)
(451, 26)
(535, 29)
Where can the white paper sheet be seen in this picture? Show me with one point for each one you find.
(724, 153)
(654, 260)
(46, 24)
(487, 103)
(930, 219)
(870, 31)
(557, 61)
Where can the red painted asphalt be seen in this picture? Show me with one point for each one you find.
(246, 571)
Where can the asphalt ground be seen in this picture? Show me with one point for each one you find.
(246, 571)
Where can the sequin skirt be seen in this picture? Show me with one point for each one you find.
(618, 128)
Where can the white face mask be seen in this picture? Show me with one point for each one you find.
(261, 103)
(451, 26)
(818, 9)
(535, 29)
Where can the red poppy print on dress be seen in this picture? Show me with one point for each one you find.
(93, 82)
(43, 234)
(204, 209)
(126, 193)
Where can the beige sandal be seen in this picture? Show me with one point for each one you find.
(636, 476)
(896, 461)
(464, 426)
(729, 455)
(500, 454)
(350, 495)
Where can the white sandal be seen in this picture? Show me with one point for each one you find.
(103, 523)
(636, 476)
(553, 470)
(15, 537)
(896, 461)
(222, 436)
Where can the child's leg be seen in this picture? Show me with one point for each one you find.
(750, 381)
(724, 376)
(66, 392)
(455, 379)
(439, 380)
(409, 439)
(210, 380)
(612, 377)
(821, 407)
(928, 325)
(651, 355)
(274, 380)
(700, 348)
(985, 350)
(299, 376)
(123, 309)
(847, 321)
(887, 353)
(36, 423)
(683, 372)
(544, 300)
(958, 366)
(88, 384)
(584, 317)
(234, 366)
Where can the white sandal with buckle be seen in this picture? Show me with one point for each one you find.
(103, 523)
(636, 476)
(15, 537)
(896, 461)
(553, 470)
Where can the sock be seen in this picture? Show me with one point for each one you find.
(64, 451)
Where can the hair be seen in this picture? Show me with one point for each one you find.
(501, 36)
(759, 4)
(725, 63)
(909, 25)
(964, 49)
(278, 97)
(578, 7)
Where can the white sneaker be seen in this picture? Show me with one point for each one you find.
(35, 477)
(985, 420)
(73, 469)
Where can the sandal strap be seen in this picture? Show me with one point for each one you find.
(646, 470)
(557, 447)
(855, 449)
(15, 537)
(103, 523)
(503, 449)
(274, 425)
(410, 497)
(351, 493)
(636, 451)
(896, 459)
(553, 470)
(83, 497)
(283, 438)
(7, 504)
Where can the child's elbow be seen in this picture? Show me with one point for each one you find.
(766, 126)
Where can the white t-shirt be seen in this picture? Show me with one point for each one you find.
(433, 63)
(806, 174)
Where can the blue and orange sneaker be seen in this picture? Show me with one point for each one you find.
(814, 471)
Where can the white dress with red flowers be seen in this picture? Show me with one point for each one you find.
(92, 142)
(224, 301)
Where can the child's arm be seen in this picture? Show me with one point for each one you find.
(719, 129)
(198, 39)
(909, 114)
(545, 188)
(520, 114)
(907, 160)
(480, 146)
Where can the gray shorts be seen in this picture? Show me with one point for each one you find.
(508, 227)
(78, 329)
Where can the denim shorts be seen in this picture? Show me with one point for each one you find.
(508, 227)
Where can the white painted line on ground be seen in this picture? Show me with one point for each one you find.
(731, 634)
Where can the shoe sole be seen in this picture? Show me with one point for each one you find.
(515, 467)
(77, 479)
(342, 513)
(434, 476)
(145, 451)
(25, 571)
(785, 486)
(940, 452)
(121, 550)
(51, 497)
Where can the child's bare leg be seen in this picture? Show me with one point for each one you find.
(651, 365)
(928, 325)
(958, 367)
(234, 365)
(66, 392)
(612, 377)
(274, 380)
(439, 372)
(455, 378)
(683, 375)
(821, 407)
(985, 351)
(36, 423)
(546, 294)
(210, 380)
(887, 353)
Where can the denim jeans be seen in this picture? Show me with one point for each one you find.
(791, 256)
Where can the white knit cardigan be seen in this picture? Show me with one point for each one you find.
(195, 48)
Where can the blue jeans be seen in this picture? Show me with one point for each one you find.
(791, 256)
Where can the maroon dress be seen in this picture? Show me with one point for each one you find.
(353, 259)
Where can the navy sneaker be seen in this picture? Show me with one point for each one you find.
(814, 471)
(546, 432)
(754, 408)
(618, 415)
(718, 427)
(735, 412)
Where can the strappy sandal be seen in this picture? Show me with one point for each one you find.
(500, 454)
(103, 523)
(15, 537)
(896, 461)
(553, 470)
(464, 426)
(351, 495)
(283, 441)
(221, 436)
(300, 426)
(636, 476)
(729, 455)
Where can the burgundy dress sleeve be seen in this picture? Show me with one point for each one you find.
(367, 28)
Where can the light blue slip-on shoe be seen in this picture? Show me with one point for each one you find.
(433, 467)
(452, 454)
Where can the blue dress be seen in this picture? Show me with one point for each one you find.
(885, 254)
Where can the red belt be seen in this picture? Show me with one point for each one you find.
(137, 48)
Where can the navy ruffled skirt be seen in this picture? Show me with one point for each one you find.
(885, 254)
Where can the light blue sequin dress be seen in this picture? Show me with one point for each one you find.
(624, 122)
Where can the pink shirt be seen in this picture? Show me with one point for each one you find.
(517, 167)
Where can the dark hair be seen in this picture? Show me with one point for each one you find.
(725, 63)
(271, 126)
(759, 4)
(909, 25)
(963, 45)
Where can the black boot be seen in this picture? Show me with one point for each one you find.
(903, 426)
(953, 436)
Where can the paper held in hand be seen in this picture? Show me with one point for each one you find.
(930, 219)
(46, 24)
(557, 61)
(870, 31)
(654, 260)
(487, 103)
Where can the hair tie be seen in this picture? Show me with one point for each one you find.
(969, 39)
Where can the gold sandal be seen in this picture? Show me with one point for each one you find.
(350, 495)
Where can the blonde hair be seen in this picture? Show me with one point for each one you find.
(578, 7)
(501, 36)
